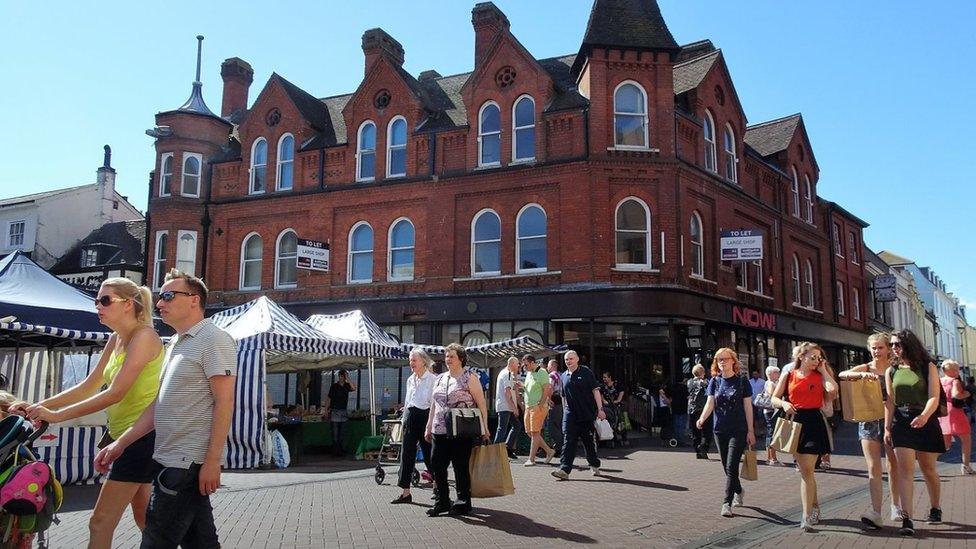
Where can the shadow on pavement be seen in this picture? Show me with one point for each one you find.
(520, 526)
(632, 482)
(770, 517)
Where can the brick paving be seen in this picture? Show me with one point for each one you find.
(650, 497)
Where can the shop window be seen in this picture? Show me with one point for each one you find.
(259, 166)
(486, 242)
(361, 254)
(286, 260)
(523, 130)
(489, 135)
(401, 250)
(286, 162)
(366, 153)
(708, 131)
(252, 257)
(530, 242)
(396, 155)
(633, 235)
(630, 116)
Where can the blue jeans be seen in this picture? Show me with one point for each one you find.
(576, 431)
(177, 513)
(508, 430)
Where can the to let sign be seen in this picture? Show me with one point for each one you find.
(751, 318)
(313, 255)
(742, 245)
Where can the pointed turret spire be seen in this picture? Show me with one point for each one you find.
(626, 24)
(195, 103)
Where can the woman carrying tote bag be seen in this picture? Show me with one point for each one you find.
(806, 385)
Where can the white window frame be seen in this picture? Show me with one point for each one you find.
(795, 275)
(808, 198)
(243, 262)
(516, 129)
(22, 234)
(852, 248)
(808, 282)
(795, 191)
(390, 147)
(279, 258)
(841, 299)
(758, 264)
(279, 163)
(360, 151)
(159, 263)
(165, 179)
(645, 121)
(482, 134)
(350, 253)
(742, 276)
(647, 236)
(519, 238)
(89, 257)
(391, 249)
(711, 149)
(731, 157)
(474, 243)
(856, 303)
(186, 157)
(838, 243)
(255, 166)
(697, 248)
(179, 238)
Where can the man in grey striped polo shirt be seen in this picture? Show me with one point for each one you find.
(191, 415)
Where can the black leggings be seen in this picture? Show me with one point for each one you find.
(730, 447)
(457, 453)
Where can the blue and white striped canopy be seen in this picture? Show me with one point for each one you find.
(370, 339)
(63, 333)
(497, 350)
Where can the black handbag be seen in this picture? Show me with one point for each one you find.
(462, 422)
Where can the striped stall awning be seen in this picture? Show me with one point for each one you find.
(370, 340)
(499, 349)
(73, 458)
(75, 335)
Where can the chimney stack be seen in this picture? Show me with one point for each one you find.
(377, 42)
(488, 21)
(237, 75)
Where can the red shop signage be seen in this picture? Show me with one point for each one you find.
(751, 318)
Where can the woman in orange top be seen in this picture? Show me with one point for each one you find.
(800, 393)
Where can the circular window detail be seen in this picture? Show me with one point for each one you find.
(719, 95)
(273, 117)
(382, 99)
(505, 76)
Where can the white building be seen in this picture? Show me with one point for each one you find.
(46, 225)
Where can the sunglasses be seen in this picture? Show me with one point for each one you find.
(107, 300)
(170, 295)
(896, 344)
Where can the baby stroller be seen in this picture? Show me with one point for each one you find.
(392, 430)
(30, 495)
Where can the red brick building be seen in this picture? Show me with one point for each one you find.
(579, 199)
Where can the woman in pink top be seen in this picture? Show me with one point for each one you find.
(955, 424)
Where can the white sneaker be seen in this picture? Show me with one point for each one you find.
(596, 471)
(727, 510)
(871, 519)
(967, 470)
(814, 517)
(737, 499)
(896, 514)
(805, 525)
(529, 463)
(560, 474)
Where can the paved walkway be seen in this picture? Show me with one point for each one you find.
(649, 497)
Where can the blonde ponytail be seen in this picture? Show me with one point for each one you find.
(140, 296)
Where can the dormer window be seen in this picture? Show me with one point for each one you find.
(192, 164)
(489, 135)
(259, 166)
(708, 132)
(731, 159)
(89, 257)
(523, 130)
(630, 116)
(396, 147)
(366, 155)
(165, 174)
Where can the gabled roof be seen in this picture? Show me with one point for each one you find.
(41, 195)
(689, 74)
(127, 239)
(694, 50)
(311, 108)
(769, 138)
(894, 259)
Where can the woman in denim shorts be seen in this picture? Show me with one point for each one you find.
(871, 434)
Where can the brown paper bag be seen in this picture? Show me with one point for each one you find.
(750, 469)
(491, 472)
(861, 400)
(786, 435)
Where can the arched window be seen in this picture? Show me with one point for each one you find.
(808, 283)
(401, 247)
(731, 159)
(286, 162)
(252, 255)
(808, 198)
(165, 174)
(259, 165)
(366, 155)
(633, 232)
(286, 260)
(486, 244)
(396, 148)
(191, 175)
(708, 131)
(361, 253)
(630, 116)
(159, 264)
(489, 135)
(795, 194)
(697, 246)
(530, 239)
(523, 129)
(186, 252)
(795, 274)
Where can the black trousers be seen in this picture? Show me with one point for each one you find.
(414, 424)
(575, 432)
(731, 446)
(701, 439)
(455, 452)
(178, 515)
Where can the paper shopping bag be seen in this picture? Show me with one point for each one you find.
(786, 435)
(491, 473)
(860, 399)
(750, 469)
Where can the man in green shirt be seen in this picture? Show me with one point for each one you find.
(537, 393)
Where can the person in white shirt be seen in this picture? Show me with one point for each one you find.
(758, 385)
(507, 407)
(416, 408)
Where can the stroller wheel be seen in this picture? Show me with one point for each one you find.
(415, 478)
(673, 442)
(380, 475)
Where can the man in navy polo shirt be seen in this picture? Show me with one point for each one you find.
(582, 405)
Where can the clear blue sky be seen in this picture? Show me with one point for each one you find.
(885, 87)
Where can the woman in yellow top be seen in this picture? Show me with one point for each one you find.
(538, 390)
(130, 367)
